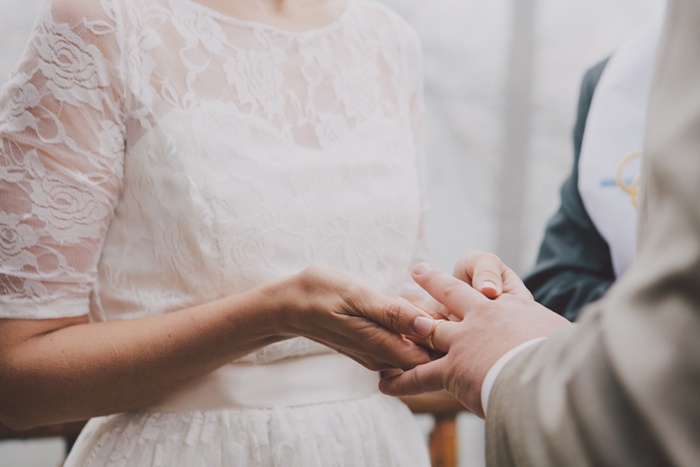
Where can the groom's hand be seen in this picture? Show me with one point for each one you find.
(488, 330)
(486, 273)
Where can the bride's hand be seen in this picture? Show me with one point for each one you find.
(341, 312)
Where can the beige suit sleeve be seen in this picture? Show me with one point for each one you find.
(622, 386)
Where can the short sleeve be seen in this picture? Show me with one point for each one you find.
(61, 159)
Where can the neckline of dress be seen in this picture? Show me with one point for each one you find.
(335, 23)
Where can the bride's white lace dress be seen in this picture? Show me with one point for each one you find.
(157, 154)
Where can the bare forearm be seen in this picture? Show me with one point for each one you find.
(92, 369)
(66, 369)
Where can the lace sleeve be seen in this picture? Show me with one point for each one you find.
(61, 157)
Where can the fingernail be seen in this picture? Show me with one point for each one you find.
(421, 268)
(423, 325)
(384, 384)
(489, 285)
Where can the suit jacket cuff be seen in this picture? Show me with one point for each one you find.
(495, 370)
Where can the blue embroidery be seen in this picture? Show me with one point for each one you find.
(608, 182)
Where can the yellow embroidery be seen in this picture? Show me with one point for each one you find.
(632, 189)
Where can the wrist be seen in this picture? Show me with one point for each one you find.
(308, 295)
(272, 306)
(288, 300)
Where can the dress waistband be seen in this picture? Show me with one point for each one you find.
(290, 382)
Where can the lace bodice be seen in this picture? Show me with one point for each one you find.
(157, 154)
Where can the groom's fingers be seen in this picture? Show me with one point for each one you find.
(456, 295)
(444, 334)
(423, 378)
(489, 275)
(483, 271)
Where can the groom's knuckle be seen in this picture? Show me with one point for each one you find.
(451, 288)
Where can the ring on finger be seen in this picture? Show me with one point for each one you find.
(429, 339)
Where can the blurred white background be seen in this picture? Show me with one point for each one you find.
(501, 80)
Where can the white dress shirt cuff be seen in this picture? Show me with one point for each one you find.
(495, 370)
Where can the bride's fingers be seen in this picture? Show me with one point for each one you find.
(435, 309)
(396, 314)
(423, 378)
(385, 361)
(377, 348)
(342, 295)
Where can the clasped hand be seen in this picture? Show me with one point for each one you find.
(490, 312)
(488, 308)
(340, 311)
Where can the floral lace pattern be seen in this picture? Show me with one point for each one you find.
(372, 431)
(156, 154)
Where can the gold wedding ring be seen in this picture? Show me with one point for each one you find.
(429, 339)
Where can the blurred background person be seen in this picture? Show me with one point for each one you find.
(591, 240)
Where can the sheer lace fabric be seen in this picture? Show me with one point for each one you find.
(156, 154)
